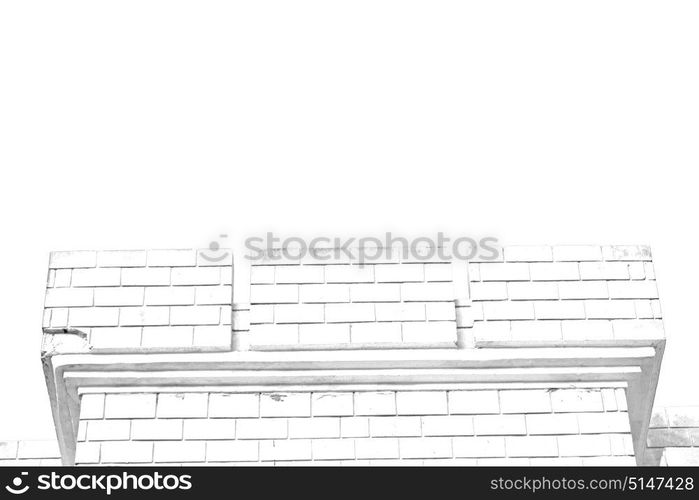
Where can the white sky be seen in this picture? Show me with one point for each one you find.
(149, 124)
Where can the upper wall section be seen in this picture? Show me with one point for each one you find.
(182, 300)
(156, 299)
(566, 295)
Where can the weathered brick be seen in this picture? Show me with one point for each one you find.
(473, 402)
(234, 405)
(662, 438)
(296, 449)
(202, 428)
(576, 400)
(121, 258)
(156, 430)
(626, 252)
(183, 405)
(179, 451)
(683, 416)
(317, 427)
(499, 425)
(352, 313)
(525, 401)
(290, 404)
(232, 451)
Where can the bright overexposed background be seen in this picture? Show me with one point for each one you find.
(141, 124)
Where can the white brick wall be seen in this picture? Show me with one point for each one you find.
(335, 303)
(566, 295)
(366, 427)
(128, 300)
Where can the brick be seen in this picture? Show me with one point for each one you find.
(332, 404)
(375, 403)
(203, 428)
(68, 297)
(399, 273)
(577, 253)
(583, 290)
(232, 451)
(234, 405)
(622, 444)
(376, 332)
(473, 402)
(183, 405)
(317, 427)
(156, 430)
(168, 296)
(59, 318)
(539, 330)
(525, 401)
(171, 258)
(428, 447)
(508, 310)
(587, 330)
(96, 277)
(556, 271)
(609, 461)
(400, 312)
(568, 309)
(384, 292)
(121, 258)
(123, 296)
(324, 334)
(434, 331)
(195, 315)
(262, 275)
(94, 316)
(8, 450)
(621, 399)
(639, 329)
(597, 423)
(491, 290)
(179, 451)
(661, 438)
(354, 427)
(610, 309)
(333, 449)
(290, 404)
(324, 293)
(604, 271)
(127, 452)
(626, 252)
(633, 290)
(115, 338)
(349, 313)
(504, 272)
(299, 313)
(158, 276)
(108, 430)
(427, 292)
(438, 272)
(552, 423)
(637, 270)
(395, 426)
(499, 425)
(349, 274)
(609, 400)
(265, 428)
(468, 447)
(376, 448)
(142, 316)
(62, 277)
(528, 253)
(643, 309)
(214, 295)
(72, 259)
(531, 446)
(451, 425)
(274, 334)
(688, 457)
(297, 449)
(584, 446)
(261, 314)
(576, 400)
(299, 274)
(196, 276)
(440, 311)
(274, 294)
(91, 406)
(421, 402)
(87, 453)
(38, 449)
(170, 336)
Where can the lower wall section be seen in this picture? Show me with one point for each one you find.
(530, 426)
